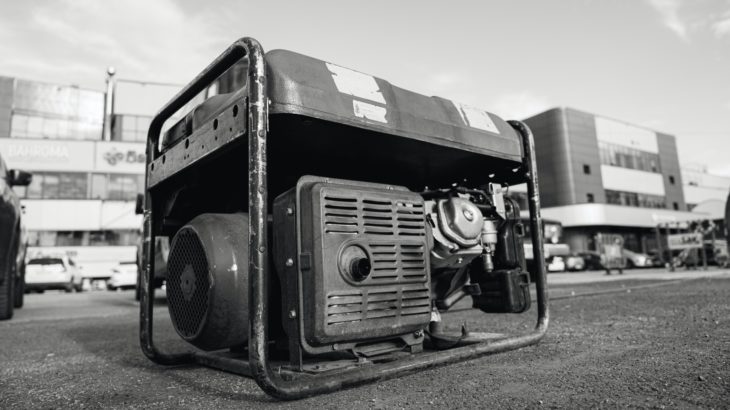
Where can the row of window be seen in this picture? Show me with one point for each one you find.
(631, 158)
(635, 199)
(84, 238)
(82, 185)
(129, 128)
(35, 126)
(57, 100)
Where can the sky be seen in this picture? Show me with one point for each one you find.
(661, 64)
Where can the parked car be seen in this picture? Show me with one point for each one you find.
(574, 262)
(716, 255)
(124, 276)
(637, 260)
(162, 251)
(52, 272)
(555, 264)
(592, 260)
(12, 240)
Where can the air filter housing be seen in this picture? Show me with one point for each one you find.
(207, 282)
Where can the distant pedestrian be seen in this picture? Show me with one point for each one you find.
(614, 254)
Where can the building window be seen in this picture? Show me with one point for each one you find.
(55, 185)
(116, 187)
(40, 125)
(589, 198)
(671, 179)
(84, 238)
(586, 169)
(631, 158)
(81, 185)
(130, 127)
(675, 206)
(635, 199)
(50, 111)
(124, 187)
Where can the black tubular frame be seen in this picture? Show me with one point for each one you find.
(258, 365)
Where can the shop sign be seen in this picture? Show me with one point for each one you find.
(120, 157)
(684, 241)
(47, 155)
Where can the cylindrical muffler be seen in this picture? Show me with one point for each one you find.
(207, 281)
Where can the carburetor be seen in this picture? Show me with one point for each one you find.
(475, 235)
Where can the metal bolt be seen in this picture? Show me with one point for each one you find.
(469, 215)
(289, 211)
(290, 262)
(292, 314)
(418, 333)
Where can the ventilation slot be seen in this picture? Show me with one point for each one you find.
(348, 308)
(410, 219)
(341, 215)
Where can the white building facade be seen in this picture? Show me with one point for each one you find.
(82, 197)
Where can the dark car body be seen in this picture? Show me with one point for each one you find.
(12, 241)
(162, 250)
(592, 260)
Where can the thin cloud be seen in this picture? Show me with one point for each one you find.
(721, 28)
(519, 105)
(669, 12)
(723, 170)
(146, 40)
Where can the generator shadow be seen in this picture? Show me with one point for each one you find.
(116, 344)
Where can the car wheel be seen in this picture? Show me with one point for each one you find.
(69, 288)
(630, 264)
(7, 293)
(20, 290)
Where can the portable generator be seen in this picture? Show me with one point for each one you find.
(321, 220)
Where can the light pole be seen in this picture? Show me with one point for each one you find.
(110, 97)
(111, 86)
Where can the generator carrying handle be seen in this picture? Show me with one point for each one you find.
(259, 366)
(244, 47)
(240, 49)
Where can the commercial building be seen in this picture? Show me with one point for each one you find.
(702, 188)
(84, 188)
(600, 175)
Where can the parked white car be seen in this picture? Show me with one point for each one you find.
(637, 260)
(52, 272)
(555, 264)
(124, 276)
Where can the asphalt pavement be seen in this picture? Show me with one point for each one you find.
(648, 338)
